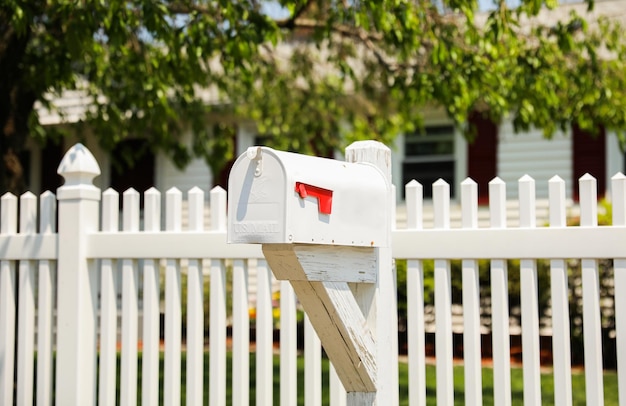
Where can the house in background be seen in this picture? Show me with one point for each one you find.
(440, 152)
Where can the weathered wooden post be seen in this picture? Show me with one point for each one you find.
(325, 227)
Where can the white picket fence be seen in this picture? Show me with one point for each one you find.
(59, 294)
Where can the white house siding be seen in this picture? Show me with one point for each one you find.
(531, 154)
(197, 173)
(614, 158)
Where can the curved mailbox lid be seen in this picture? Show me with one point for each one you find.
(282, 197)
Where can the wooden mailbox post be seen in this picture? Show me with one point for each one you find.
(325, 227)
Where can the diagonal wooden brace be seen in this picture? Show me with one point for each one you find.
(330, 304)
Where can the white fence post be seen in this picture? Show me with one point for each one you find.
(78, 202)
(382, 316)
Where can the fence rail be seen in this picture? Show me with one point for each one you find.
(69, 290)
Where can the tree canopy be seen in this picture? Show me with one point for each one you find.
(324, 74)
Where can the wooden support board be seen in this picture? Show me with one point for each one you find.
(331, 305)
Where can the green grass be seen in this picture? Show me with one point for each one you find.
(547, 384)
(517, 386)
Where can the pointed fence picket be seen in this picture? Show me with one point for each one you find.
(560, 302)
(147, 271)
(471, 302)
(500, 300)
(151, 306)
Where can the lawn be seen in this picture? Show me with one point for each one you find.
(547, 384)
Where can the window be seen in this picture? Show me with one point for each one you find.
(429, 156)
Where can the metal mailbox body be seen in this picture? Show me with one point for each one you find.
(282, 197)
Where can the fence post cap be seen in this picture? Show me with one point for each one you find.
(373, 152)
(78, 167)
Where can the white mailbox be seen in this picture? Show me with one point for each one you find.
(283, 197)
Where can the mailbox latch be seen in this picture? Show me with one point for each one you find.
(324, 196)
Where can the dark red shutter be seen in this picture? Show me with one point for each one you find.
(482, 154)
(589, 152)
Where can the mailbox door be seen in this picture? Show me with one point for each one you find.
(358, 214)
(257, 189)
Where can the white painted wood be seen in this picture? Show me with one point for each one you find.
(542, 242)
(560, 303)
(173, 320)
(341, 327)
(45, 305)
(312, 365)
(217, 334)
(378, 302)
(414, 192)
(32, 247)
(591, 298)
(7, 330)
(173, 316)
(217, 383)
(619, 267)
(618, 195)
(195, 308)
(338, 395)
(153, 245)
(130, 306)
(361, 398)
(519, 243)
(415, 302)
(151, 306)
(306, 262)
(288, 346)
(372, 152)
(385, 326)
(108, 307)
(264, 364)
(416, 332)
(471, 302)
(241, 333)
(78, 206)
(8, 301)
(26, 307)
(218, 209)
(500, 300)
(443, 301)
(529, 299)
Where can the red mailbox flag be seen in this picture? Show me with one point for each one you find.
(324, 196)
